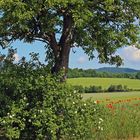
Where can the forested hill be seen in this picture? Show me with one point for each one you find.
(117, 70)
(104, 72)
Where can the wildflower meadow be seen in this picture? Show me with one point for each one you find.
(120, 118)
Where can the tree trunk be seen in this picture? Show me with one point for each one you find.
(61, 49)
(62, 62)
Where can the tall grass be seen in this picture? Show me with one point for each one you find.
(122, 122)
(121, 119)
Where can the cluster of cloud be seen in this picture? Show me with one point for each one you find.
(130, 54)
(82, 59)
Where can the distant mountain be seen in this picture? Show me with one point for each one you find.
(117, 70)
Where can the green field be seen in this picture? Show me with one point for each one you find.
(120, 113)
(112, 96)
(105, 82)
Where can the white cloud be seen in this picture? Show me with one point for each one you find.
(131, 54)
(82, 59)
(16, 56)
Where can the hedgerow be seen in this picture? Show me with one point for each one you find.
(35, 105)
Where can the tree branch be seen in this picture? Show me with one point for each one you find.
(54, 45)
(67, 28)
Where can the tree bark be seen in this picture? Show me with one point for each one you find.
(61, 50)
(62, 62)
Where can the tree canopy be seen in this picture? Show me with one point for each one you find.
(98, 25)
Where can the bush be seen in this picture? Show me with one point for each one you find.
(90, 89)
(79, 88)
(93, 89)
(117, 88)
(37, 106)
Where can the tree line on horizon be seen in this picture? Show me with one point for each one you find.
(76, 73)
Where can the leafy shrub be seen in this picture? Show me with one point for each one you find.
(93, 89)
(90, 89)
(37, 106)
(79, 88)
(117, 88)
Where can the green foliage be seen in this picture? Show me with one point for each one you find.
(90, 89)
(93, 89)
(75, 73)
(36, 105)
(117, 88)
(98, 89)
(138, 75)
(101, 26)
(79, 88)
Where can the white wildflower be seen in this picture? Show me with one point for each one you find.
(101, 119)
(29, 120)
(95, 102)
(24, 98)
(85, 104)
(74, 91)
(101, 129)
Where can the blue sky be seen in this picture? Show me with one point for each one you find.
(130, 55)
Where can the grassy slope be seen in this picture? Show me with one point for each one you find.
(105, 82)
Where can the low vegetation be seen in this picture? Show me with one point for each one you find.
(99, 89)
(121, 113)
(105, 83)
(35, 105)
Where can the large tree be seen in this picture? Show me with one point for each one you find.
(94, 25)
